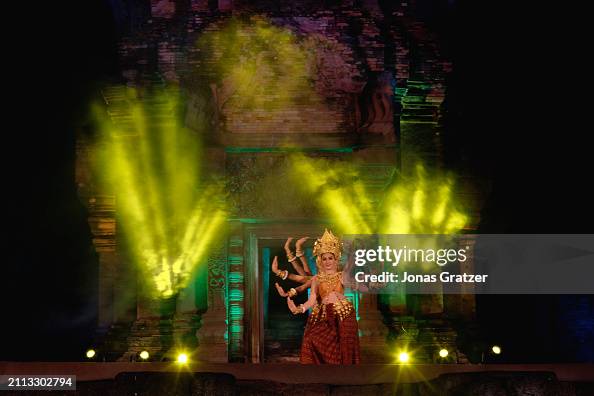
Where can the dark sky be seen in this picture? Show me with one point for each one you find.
(513, 116)
(60, 54)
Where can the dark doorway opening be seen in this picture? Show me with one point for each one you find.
(283, 331)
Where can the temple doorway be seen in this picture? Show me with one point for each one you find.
(283, 331)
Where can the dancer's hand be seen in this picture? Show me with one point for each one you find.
(280, 290)
(300, 242)
(275, 265)
(288, 245)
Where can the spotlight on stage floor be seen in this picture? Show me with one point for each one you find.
(91, 354)
(182, 358)
(496, 349)
(443, 353)
(403, 357)
(144, 355)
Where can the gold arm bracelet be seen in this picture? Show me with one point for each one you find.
(282, 274)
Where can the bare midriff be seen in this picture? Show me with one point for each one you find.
(333, 297)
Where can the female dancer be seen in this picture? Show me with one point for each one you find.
(331, 334)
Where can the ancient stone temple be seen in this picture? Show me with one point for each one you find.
(362, 83)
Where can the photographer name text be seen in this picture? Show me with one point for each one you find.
(444, 277)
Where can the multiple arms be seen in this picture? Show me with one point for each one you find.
(293, 291)
(308, 281)
(302, 269)
(311, 301)
(284, 274)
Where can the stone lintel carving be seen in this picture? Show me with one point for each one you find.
(375, 111)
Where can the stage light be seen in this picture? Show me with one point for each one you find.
(443, 352)
(496, 349)
(182, 358)
(144, 355)
(403, 357)
(155, 173)
(419, 204)
(91, 354)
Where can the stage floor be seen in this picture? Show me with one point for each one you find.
(297, 374)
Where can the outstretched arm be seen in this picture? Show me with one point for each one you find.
(350, 282)
(347, 279)
(284, 274)
(299, 278)
(298, 290)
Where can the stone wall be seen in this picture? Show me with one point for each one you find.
(339, 52)
(356, 75)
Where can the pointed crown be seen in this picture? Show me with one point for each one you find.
(328, 243)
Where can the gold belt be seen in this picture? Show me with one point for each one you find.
(342, 309)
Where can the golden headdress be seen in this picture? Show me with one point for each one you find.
(328, 243)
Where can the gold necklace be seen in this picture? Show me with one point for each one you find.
(331, 279)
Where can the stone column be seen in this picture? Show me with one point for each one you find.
(372, 331)
(212, 340)
(213, 332)
(153, 329)
(185, 320)
(102, 222)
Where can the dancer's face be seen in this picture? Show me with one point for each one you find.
(329, 263)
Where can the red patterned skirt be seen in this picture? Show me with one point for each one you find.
(331, 335)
